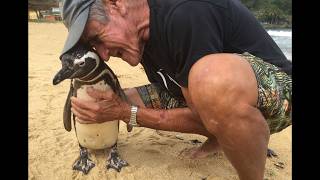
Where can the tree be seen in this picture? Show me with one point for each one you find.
(271, 11)
(284, 5)
(272, 14)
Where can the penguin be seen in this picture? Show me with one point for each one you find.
(85, 68)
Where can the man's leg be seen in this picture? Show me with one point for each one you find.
(208, 147)
(223, 91)
(134, 97)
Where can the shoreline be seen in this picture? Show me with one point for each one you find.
(276, 26)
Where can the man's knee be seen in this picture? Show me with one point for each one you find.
(220, 84)
(222, 78)
(201, 73)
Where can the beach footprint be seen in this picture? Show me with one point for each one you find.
(137, 132)
(152, 151)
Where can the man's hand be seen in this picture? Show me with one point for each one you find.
(108, 107)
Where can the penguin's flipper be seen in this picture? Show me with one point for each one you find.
(123, 95)
(67, 110)
(114, 161)
(83, 163)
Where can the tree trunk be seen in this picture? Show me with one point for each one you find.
(37, 14)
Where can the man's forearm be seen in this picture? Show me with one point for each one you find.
(178, 119)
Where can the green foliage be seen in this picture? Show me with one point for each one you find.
(248, 3)
(284, 5)
(271, 14)
(271, 11)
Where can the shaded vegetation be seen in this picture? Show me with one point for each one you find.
(271, 13)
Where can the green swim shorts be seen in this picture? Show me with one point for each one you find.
(274, 94)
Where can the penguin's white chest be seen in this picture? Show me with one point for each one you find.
(96, 136)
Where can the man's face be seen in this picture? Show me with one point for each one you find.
(117, 38)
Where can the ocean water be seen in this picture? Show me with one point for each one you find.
(283, 38)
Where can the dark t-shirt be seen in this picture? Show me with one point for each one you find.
(183, 31)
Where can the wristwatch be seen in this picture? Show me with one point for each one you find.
(133, 116)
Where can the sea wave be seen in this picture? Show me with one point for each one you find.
(280, 33)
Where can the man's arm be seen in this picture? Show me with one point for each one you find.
(178, 119)
(111, 107)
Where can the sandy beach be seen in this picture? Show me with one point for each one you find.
(151, 154)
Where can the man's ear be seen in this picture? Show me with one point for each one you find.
(116, 6)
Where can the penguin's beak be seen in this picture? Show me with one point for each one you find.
(63, 74)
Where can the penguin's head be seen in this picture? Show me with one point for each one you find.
(77, 63)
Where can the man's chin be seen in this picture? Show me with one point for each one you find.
(131, 62)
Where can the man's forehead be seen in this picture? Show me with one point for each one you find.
(87, 33)
(90, 30)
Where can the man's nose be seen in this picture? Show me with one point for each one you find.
(103, 53)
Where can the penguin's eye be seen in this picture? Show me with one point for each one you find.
(81, 64)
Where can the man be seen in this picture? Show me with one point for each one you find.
(213, 70)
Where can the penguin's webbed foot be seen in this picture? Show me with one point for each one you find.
(83, 164)
(271, 153)
(114, 161)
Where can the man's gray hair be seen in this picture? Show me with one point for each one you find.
(97, 12)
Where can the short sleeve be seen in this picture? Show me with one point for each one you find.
(194, 30)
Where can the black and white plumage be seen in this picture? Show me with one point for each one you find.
(86, 69)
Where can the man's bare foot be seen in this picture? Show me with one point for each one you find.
(210, 147)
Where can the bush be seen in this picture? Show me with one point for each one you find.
(272, 14)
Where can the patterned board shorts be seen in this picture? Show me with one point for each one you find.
(274, 94)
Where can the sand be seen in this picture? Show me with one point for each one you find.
(151, 154)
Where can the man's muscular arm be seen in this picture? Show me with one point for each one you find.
(178, 119)
(111, 107)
